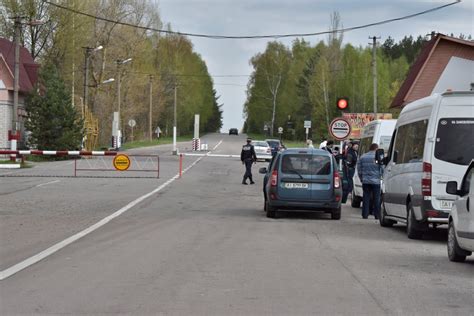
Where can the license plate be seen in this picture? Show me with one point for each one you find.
(445, 204)
(296, 185)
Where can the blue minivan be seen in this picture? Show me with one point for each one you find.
(304, 179)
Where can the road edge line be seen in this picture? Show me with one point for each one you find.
(8, 272)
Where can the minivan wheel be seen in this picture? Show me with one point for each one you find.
(271, 211)
(336, 213)
(412, 232)
(455, 253)
(385, 222)
(355, 200)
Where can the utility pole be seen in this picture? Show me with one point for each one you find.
(87, 53)
(119, 85)
(16, 86)
(374, 70)
(119, 63)
(150, 113)
(86, 77)
(175, 151)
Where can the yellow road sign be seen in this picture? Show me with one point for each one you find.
(121, 162)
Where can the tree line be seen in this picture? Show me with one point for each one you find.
(304, 81)
(167, 62)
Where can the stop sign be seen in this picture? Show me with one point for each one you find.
(340, 129)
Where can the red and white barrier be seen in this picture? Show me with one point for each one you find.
(58, 152)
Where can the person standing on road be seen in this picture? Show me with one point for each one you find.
(329, 146)
(323, 143)
(248, 157)
(370, 174)
(350, 163)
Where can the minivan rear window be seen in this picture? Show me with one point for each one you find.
(306, 164)
(454, 140)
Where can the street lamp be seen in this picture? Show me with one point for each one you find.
(101, 83)
(87, 54)
(108, 81)
(117, 132)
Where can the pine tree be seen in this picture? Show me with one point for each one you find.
(52, 120)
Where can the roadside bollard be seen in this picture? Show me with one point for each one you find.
(180, 165)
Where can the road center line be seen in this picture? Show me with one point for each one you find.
(220, 142)
(50, 182)
(60, 245)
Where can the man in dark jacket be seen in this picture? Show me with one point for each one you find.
(370, 175)
(350, 164)
(248, 157)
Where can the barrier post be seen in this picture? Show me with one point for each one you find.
(158, 167)
(180, 165)
(75, 167)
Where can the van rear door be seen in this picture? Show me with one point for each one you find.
(453, 147)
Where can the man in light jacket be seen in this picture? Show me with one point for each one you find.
(370, 175)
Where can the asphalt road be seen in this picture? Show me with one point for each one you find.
(202, 245)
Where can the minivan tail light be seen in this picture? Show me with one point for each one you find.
(426, 179)
(274, 179)
(337, 180)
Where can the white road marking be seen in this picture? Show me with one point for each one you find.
(60, 245)
(220, 142)
(212, 155)
(50, 182)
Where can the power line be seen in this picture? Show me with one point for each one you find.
(274, 36)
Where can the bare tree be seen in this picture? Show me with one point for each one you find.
(273, 66)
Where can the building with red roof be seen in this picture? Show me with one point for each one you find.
(27, 81)
(444, 63)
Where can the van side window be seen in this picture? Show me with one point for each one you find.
(364, 145)
(410, 142)
(390, 148)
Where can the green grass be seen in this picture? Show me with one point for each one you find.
(154, 142)
(7, 162)
(286, 142)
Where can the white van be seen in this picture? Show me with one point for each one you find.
(433, 143)
(379, 132)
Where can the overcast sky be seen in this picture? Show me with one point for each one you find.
(261, 17)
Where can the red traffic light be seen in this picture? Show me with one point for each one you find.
(342, 103)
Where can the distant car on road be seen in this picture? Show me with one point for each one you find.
(262, 150)
(233, 131)
(276, 145)
(461, 218)
(302, 179)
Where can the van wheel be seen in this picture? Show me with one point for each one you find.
(271, 211)
(336, 213)
(455, 253)
(412, 232)
(356, 200)
(385, 222)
